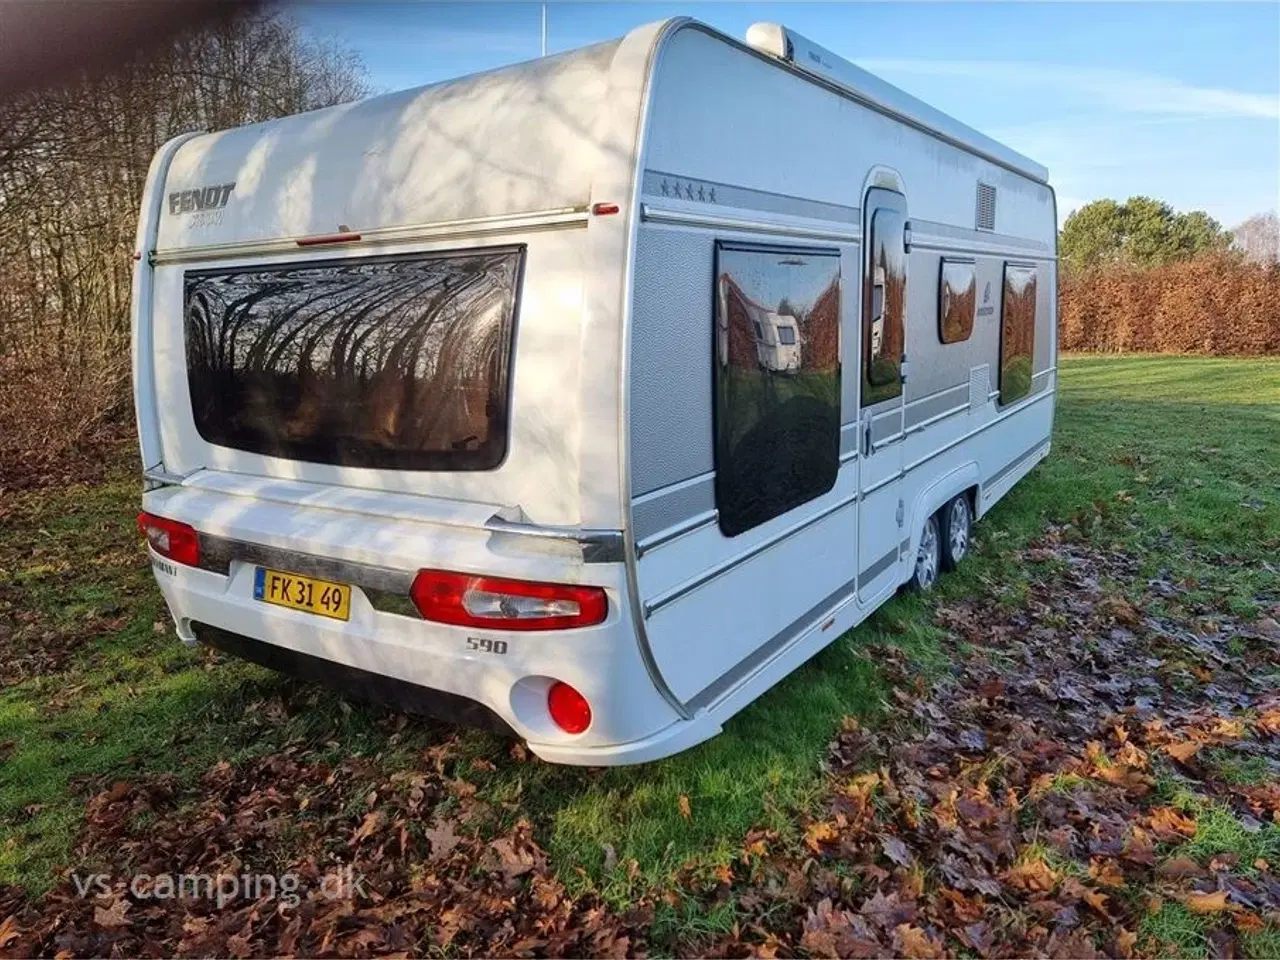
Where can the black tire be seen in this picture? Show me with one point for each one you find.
(924, 575)
(957, 531)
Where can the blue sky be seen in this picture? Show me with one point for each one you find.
(1179, 101)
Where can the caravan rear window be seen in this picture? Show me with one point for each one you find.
(390, 362)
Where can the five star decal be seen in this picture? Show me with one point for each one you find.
(687, 190)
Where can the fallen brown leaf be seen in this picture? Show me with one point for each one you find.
(8, 930)
(368, 827)
(1180, 868)
(819, 832)
(915, 943)
(1034, 876)
(1214, 902)
(896, 851)
(443, 839)
(112, 916)
(1167, 822)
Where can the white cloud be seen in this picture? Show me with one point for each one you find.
(1125, 90)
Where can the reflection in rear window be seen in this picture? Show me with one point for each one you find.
(391, 362)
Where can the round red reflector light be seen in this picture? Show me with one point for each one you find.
(568, 708)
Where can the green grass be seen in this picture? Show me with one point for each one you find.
(1175, 931)
(1171, 459)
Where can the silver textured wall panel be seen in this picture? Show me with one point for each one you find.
(671, 332)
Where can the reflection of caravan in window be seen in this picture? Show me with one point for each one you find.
(877, 311)
(561, 399)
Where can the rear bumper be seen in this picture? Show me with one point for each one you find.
(506, 675)
(362, 684)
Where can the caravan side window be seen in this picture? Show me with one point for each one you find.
(883, 336)
(777, 380)
(957, 299)
(1017, 331)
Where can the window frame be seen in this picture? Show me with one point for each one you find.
(943, 263)
(721, 247)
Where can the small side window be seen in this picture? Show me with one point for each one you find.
(777, 395)
(957, 300)
(1017, 332)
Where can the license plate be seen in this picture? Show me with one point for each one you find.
(290, 590)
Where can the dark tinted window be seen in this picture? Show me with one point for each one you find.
(1017, 332)
(957, 300)
(884, 308)
(777, 380)
(393, 362)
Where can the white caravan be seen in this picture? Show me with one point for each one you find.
(456, 397)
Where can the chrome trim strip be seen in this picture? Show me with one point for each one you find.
(683, 218)
(671, 506)
(1045, 372)
(930, 421)
(676, 485)
(884, 482)
(850, 441)
(977, 430)
(724, 566)
(163, 477)
(598, 546)
(892, 438)
(984, 250)
(1015, 463)
(937, 393)
(993, 394)
(937, 230)
(676, 532)
(444, 229)
(1022, 405)
(879, 567)
(217, 554)
(780, 640)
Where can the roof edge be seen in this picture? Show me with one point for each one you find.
(803, 55)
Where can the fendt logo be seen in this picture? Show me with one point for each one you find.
(200, 199)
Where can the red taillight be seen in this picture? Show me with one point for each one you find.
(169, 538)
(471, 601)
(568, 708)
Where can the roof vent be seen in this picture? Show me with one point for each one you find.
(986, 218)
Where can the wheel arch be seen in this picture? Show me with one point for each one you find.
(932, 498)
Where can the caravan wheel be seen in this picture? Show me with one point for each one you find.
(958, 519)
(928, 557)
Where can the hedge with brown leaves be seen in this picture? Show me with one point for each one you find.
(1215, 304)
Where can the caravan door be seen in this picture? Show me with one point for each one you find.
(884, 298)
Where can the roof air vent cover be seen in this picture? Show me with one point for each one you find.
(986, 218)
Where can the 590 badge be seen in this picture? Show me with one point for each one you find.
(486, 645)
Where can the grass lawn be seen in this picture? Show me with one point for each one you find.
(1174, 461)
